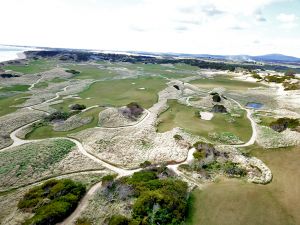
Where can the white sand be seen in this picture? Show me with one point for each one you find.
(206, 115)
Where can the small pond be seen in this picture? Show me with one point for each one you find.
(254, 105)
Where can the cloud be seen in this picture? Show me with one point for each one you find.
(259, 16)
(287, 18)
(288, 21)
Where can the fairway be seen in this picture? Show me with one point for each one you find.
(233, 202)
(34, 66)
(225, 81)
(119, 93)
(179, 115)
(48, 132)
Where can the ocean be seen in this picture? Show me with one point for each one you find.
(10, 53)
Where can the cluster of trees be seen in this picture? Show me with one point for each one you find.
(66, 54)
(158, 201)
(52, 201)
(57, 116)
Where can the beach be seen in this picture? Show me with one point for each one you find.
(11, 53)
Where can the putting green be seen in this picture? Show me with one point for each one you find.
(179, 115)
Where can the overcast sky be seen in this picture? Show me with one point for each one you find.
(184, 26)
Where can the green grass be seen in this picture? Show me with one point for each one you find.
(234, 202)
(36, 157)
(119, 93)
(7, 103)
(226, 82)
(34, 66)
(41, 85)
(179, 115)
(47, 131)
(91, 72)
(20, 88)
(57, 80)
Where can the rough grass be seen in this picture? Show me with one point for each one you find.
(119, 93)
(24, 161)
(226, 82)
(233, 202)
(47, 131)
(20, 88)
(34, 66)
(91, 72)
(7, 103)
(179, 115)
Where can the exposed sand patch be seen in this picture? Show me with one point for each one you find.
(206, 115)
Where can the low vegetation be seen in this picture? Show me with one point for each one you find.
(59, 115)
(78, 107)
(256, 76)
(28, 162)
(282, 124)
(73, 71)
(160, 199)
(52, 201)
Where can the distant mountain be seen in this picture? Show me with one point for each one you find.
(276, 58)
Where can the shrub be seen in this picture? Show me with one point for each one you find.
(216, 98)
(145, 164)
(83, 221)
(256, 76)
(178, 137)
(78, 107)
(118, 220)
(73, 71)
(282, 124)
(135, 109)
(232, 169)
(57, 116)
(199, 155)
(290, 73)
(108, 178)
(52, 201)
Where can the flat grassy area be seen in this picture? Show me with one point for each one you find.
(34, 66)
(7, 103)
(225, 81)
(91, 72)
(233, 202)
(119, 93)
(41, 85)
(48, 132)
(179, 115)
(20, 88)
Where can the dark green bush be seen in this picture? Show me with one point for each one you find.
(57, 116)
(232, 169)
(73, 71)
(256, 76)
(52, 201)
(78, 107)
(145, 164)
(283, 123)
(118, 220)
(178, 137)
(83, 221)
(108, 178)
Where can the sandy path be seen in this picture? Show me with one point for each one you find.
(82, 205)
(32, 85)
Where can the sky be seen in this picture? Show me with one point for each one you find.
(230, 27)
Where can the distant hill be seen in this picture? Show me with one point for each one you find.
(276, 58)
